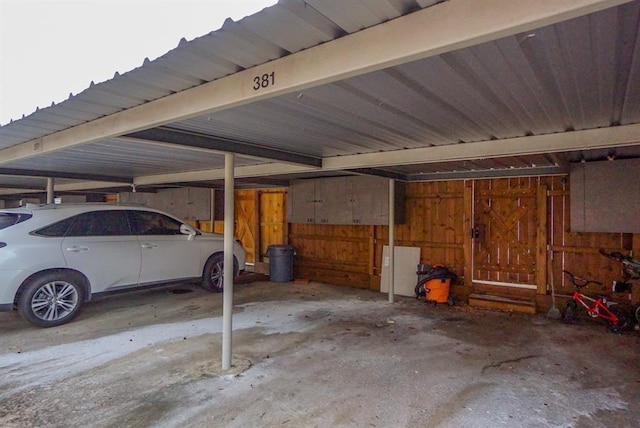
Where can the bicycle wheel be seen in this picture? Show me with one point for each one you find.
(625, 322)
(570, 311)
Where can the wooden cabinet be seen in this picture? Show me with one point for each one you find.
(344, 200)
(301, 201)
(333, 201)
(605, 196)
(188, 203)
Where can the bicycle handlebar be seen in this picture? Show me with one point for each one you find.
(615, 255)
(631, 266)
(579, 282)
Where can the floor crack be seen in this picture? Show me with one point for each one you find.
(499, 363)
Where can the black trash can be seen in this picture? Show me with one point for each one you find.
(281, 262)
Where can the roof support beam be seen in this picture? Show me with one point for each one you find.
(68, 175)
(263, 170)
(12, 190)
(87, 186)
(379, 173)
(625, 135)
(67, 187)
(497, 173)
(428, 32)
(181, 138)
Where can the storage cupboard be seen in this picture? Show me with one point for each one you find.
(188, 203)
(344, 200)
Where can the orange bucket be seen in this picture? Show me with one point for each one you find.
(437, 290)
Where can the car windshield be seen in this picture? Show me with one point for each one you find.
(9, 219)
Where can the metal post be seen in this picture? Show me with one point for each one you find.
(227, 305)
(50, 184)
(392, 222)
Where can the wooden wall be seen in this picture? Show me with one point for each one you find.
(352, 255)
(438, 222)
(435, 214)
(578, 252)
(334, 254)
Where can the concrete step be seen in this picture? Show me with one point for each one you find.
(502, 303)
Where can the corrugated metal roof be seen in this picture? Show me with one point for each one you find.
(128, 159)
(512, 87)
(575, 75)
(279, 30)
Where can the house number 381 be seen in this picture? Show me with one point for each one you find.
(264, 81)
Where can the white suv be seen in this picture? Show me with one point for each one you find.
(53, 258)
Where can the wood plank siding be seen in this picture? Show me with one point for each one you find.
(526, 239)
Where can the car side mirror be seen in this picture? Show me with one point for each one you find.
(186, 230)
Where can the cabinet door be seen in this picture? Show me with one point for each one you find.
(333, 196)
(301, 202)
(176, 202)
(370, 200)
(199, 204)
(139, 198)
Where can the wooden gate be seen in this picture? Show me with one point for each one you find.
(260, 221)
(246, 218)
(506, 234)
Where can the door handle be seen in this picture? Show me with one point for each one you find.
(77, 249)
(149, 245)
(478, 233)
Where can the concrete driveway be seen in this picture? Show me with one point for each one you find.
(308, 355)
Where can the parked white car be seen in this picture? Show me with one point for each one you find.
(53, 258)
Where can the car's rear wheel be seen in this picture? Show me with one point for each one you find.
(213, 275)
(51, 299)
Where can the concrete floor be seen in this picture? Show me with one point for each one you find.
(308, 355)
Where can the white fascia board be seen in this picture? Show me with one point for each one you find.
(616, 136)
(262, 170)
(87, 185)
(447, 26)
(67, 187)
(15, 191)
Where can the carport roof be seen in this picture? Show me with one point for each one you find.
(414, 90)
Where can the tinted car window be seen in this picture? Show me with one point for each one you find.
(152, 223)
(9, 219)
(99, 223)
(58, 229)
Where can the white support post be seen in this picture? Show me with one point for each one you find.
(229, 219)
(392, 222)
(50, 184)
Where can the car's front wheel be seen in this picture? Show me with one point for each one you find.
(51, 299)
(213, 275)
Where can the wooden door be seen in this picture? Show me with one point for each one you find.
(246, 218)
(504, 233)
(273, 223)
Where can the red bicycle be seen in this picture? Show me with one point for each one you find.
(616, 317)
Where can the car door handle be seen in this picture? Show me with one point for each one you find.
(149, 245)
(77, 249)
